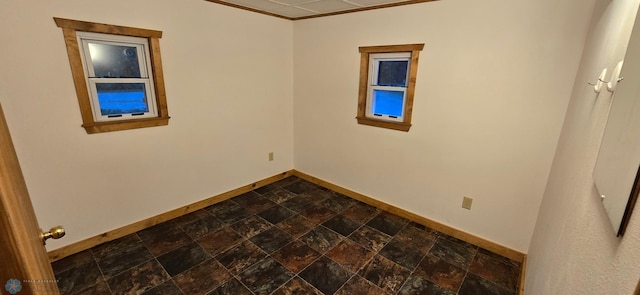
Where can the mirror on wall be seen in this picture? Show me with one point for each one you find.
(617, 171)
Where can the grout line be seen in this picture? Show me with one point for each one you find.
(466, 274)
(166, 272)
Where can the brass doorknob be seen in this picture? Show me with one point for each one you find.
(54, 233)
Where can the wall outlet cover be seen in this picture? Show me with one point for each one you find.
(466, 203)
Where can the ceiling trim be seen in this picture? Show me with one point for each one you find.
(322, 14)
(250, 9)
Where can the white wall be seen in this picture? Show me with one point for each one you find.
(574, 249)
(493, 85)
(229, 84)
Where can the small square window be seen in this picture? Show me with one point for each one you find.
(117, 70)
(387, 83)
(117, 73)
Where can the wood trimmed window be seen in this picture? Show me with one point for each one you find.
(141, 87)
(387, 85)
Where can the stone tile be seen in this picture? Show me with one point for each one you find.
(116, 246)
(240, 257)
(276, 214)
(338, 203)
(454, 251)
(403, 254)
(317, 214)
(163, 238)
(183, 258)
(475, 285)
(266, 189)
(246, 198)
(350, 255)
(271, 240)
(251, 226)
(416, 285)
(297, 286)
(166, 288)
(221, 207)
(254, 202)
(325, 275)
(191, 217)
(158, 230)
(265, 276)
(357, 285)
(232, 214)
(296, 256)
(360, 212)
(286, 181)
(440, 272)
(202, 227)
(220, 240)
(279, 195)
(78, 277)
(138, 279)
(231, 287)
(300, 187)
(417, 236)
(321, 239)
(202, 278)
(387, 223)
(385, 274)
(342, 225)
(370, 238)
(493, 267)
(296, 226)
(100, 288)
(260, 205)
(299, 203)
(318, 195)
(72, 261)
(116, 260)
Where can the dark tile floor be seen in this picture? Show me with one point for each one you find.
(290, 237)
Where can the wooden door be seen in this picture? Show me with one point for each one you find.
(24, 265)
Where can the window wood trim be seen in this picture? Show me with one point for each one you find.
(364, 78)
(69, 29)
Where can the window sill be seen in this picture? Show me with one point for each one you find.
(99, 127)
(401, 126)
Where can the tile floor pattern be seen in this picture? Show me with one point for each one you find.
(290, 237)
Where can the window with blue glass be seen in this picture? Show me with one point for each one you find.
(387, 85)
(118, 76)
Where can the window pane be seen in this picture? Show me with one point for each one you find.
(388, 102)
(122, 98)
(114, 61)
(393, 73)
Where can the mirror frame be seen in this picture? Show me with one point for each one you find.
(631, 203)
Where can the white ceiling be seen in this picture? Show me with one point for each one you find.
(297, 9)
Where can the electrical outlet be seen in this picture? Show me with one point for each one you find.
(466, 203)
(271, 156)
